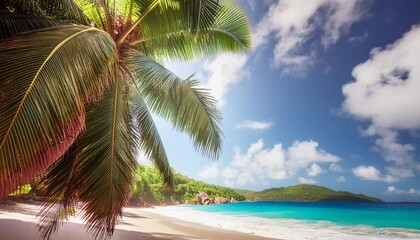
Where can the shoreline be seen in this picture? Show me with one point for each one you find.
(19, 221)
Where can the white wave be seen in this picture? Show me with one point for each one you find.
(286, 228)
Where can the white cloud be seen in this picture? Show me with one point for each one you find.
(341, 179)
(255, 125)
(210, 171)
(372, 174)
(357, 39)
(414, 191)
(259, 163)
(336, 168)
(400, 172)
(314, 170)
(230, 172)
(306, 180)
(293, 22)
(223, 72)
(385, 93)
(394, 190)
(343, 15)
(301, 154)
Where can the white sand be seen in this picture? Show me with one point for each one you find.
(18, 222)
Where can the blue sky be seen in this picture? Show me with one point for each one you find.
(330, 95)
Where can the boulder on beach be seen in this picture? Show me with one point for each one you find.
(221, 200)
(203, 198)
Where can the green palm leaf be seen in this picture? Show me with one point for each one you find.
(106, 162)
(190, 109)
(200, 13)
(65, 10)
(42, 98)
(229, 31)
(149, 139)
(11, 23)
(98, 171)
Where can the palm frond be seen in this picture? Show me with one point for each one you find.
(149, 139)
(93, 12)
(46, 76)
(230, 31)
(172, 15)
(65, 10)
(106, 161)
(12, 23)
(60, 192)
(190, 109)
(200, 13)
(99, 169)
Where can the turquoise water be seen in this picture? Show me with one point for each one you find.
(377, 215)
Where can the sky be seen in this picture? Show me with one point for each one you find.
(329, 95)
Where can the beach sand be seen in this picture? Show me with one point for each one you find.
(18, 222)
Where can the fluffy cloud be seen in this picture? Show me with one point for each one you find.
(372, 174)
(254, 125)
(314, 170)
(411, 191)
(223, 72)
(209, 171)
(293, 22)
(306, 180)
(385, 93)
(341, 179)
(259, 164)
(336, 168)
(302, 154)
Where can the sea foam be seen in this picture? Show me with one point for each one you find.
(286, 228)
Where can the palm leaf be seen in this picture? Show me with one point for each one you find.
(230, 31)
(106, 161)
(45, 78)
(65, 10)
(200, 13)
(11, 23)
(98, 171)
(188, 108)
(60, 191)
(149, 139)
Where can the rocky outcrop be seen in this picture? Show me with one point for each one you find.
(221, 200)
(203, 199)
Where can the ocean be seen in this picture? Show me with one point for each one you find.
(296, 221)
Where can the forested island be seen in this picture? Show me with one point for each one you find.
(149, 188)
(306, 193)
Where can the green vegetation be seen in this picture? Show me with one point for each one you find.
(22, 190)
(306, 193)
(150, 188)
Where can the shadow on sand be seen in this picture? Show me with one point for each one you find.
(20, 230)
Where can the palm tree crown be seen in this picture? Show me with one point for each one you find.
(79, 80)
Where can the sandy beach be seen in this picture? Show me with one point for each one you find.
(18, 222)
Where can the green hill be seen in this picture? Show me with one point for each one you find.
(306, 193)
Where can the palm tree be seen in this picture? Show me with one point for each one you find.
(79, 80)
